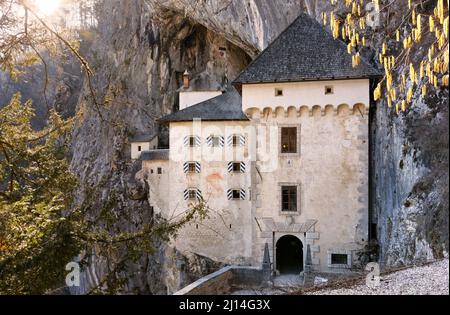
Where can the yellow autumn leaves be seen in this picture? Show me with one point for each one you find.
(399, 87)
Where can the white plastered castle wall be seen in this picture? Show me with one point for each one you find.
(189, 98)
(226, 235)
(331, 167)
(305, 93)
(144, 146)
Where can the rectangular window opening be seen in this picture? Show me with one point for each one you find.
(289, 140)
(192, 194)
(237, 168)
(289, 199)
(236, 194)
(339, 259)
(192, 168)
(160, 171)
(329, 90)
(278, 92)
(192, 142)
(236, 141)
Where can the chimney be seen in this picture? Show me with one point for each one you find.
(186, 78)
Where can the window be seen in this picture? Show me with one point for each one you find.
(329, 90)
(278, 92)
(192, 168)
(339, 259)
(160, 171)
(236, 141)
(289, 140)
(236, 167)
(192, 142)
(139, 148)
(289, 198)
(192, 194)
(236, 194)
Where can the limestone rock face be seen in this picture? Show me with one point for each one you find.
(142, 47)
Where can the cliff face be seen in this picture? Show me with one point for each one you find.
(141, 49)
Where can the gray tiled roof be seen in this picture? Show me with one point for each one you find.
(155, 155)
(305, 51)
(227, 106)
(143, 138)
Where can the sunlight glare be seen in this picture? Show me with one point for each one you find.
(47, 7)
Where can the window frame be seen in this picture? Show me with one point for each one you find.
(234, 140)
(347, 253)
(192, 170)
(192, 141)
(298, 199)
(190, 192)
(239, 165)
(291, 193)
(329, 87)
(238, 192)
(298, 140)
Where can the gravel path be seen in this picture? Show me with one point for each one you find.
(428, 280)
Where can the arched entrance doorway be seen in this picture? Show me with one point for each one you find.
(289, 253)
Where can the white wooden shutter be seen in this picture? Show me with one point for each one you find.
(243, 194)
(230, 167)
(242, 140)
(243, 167)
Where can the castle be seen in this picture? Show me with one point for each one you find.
(281, 158)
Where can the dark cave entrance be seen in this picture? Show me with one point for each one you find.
(289, 253)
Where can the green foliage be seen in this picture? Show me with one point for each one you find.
(38, 228)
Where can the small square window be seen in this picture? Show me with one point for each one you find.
(237, 168)
(192, 194)
(339, 259)
(192, 168)
(278, 92)
(236, 194)
(329, 90)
